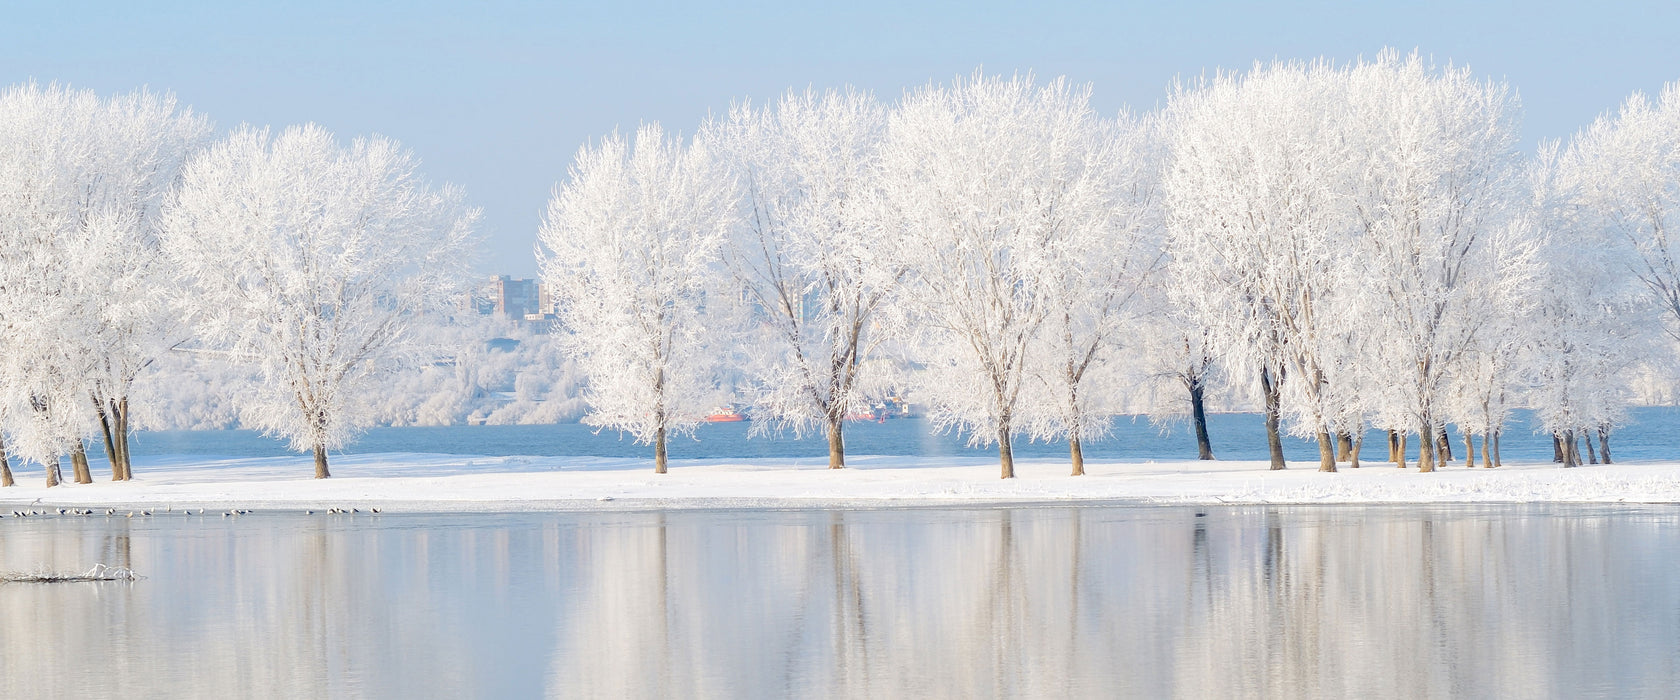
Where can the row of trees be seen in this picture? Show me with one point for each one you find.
(128, 231)
(1355, 247)
(1346, 246)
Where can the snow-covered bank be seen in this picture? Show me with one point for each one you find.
(421, 482)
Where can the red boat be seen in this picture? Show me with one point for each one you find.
(725, 415)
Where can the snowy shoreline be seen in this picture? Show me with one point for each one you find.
(455, 483)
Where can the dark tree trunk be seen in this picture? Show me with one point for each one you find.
(1496, 460)
(321, 462)
(1570, 456)
(1487, 441)
(1078, 456)
(122, 439)
(1470, 449)
(1604, 442)
(1358, 444)
(1344, 447)
(1198, 415)
(1393, 446)
(1326, 452)
(53, 475)
(106, 428)
(1426, 446)
(1446, 448)
(1006, 453)
(836, 442)
(1557, 448)
(5, 465)
(1400, 451)
(79, 465)
(1592, 453)
(1274, 441)
(659, 458)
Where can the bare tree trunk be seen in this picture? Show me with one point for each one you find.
(1326, 452)
(1078, 456)
(1393, 445)
(53, 475)
(1486, 441)
(1344, 446)
(1358, 444)
(1470, 449)
(836, 442)
(1567, 440)
(1603, 442)
(1592, 453)
(5, 465)
(1496, 460)
(1006, 453)
(1445, 452)
(106, 428)
(1426, 446)
(659, 450)
(321, 462)
(79, 465)
(1557, 448)
(1400, 451)
(1198, 415)
(1274, 441)
(122, 439)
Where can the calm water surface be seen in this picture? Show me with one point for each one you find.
(1652, 433)
(1533, 602)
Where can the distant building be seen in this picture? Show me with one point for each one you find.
(518, 299)
(508, 297)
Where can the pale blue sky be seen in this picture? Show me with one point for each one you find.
(497, 96)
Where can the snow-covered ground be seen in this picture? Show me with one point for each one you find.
(426, 482)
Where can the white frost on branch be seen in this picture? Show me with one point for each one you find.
(630, 248)
(310, 260)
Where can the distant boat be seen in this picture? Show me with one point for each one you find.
(893, 407)
(725, 415)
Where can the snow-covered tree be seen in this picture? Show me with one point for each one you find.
(986, 179)
(1180, 362)
(1486, 381)
(1607, 295)
(1620, 178)
(808, 255)
(1441, 180)
(1260, 226)
(630, 246)
(1624, 171)
(1591, 334)
(310, 260)
(83, 291)
(486, 370)
(1100, 261)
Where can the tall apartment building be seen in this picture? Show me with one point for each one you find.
(518, 299)
(509, 297)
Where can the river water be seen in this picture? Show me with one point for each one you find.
(1652, 433)
(1094, 601)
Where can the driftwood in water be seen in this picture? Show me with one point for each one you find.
(99, 572)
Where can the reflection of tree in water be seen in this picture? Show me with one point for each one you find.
(1152, 602)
